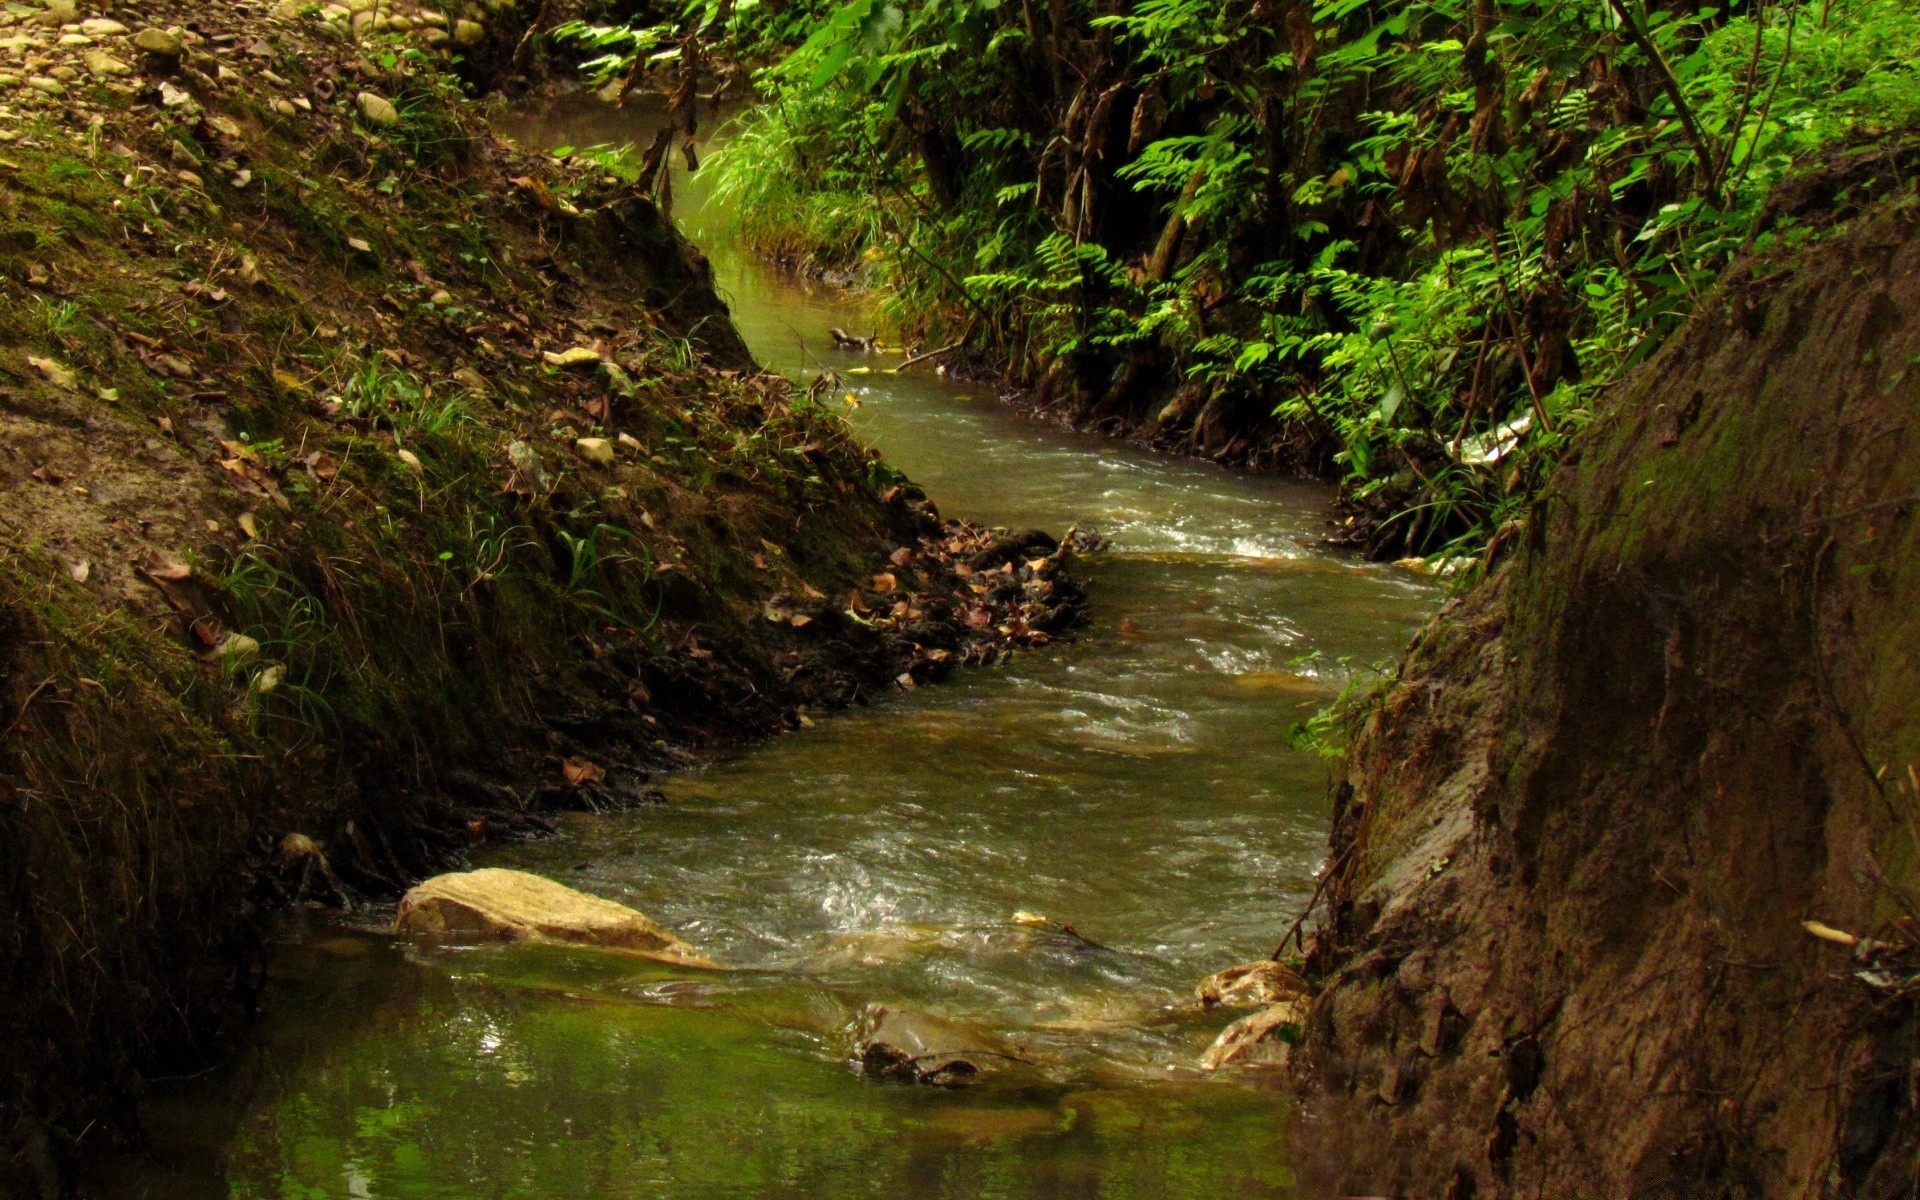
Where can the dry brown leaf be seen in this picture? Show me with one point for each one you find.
(580, 771)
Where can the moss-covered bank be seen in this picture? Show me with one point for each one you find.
(1579, 832)
(370, 487)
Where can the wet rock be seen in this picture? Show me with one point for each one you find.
(911, 1047)
(1257, 1039)
(493, 904)
(1251, 985)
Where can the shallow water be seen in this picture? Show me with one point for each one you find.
(1137, 785)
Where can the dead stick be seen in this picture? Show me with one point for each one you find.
(920, 358)
(1332, 870)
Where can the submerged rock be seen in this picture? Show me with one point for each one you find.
(1252, 984)
(501, 905)
(1257, 1039)
(914, 1047)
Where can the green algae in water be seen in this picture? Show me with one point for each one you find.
(499, 1074)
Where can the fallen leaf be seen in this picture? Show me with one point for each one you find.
(360, 244)
(885, 582)
(572, 356)
(799, 620)
(249, 525)
(581, 771)
(56, 374)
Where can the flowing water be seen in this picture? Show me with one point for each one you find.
(1137, 784)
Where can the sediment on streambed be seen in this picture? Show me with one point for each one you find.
(1579, 833)
(371, 487)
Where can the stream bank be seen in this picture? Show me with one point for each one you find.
(1580, 835)
(373, 489)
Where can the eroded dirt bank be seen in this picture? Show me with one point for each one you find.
(370, 488)
(1579, 833)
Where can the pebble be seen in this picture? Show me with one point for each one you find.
(101, 63)
(75, 39)
(469, 33)
(378, 109)
(159, 43)
(102, 27)
(64, 74)
(52, 87)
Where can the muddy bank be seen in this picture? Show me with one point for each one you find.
(371, 488)
(1579, 833)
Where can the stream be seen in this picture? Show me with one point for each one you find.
(1137, 784)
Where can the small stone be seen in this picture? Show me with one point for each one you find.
(400, 22)
(289, 11)
(431, 36)
(284, 107)
(159, 44)
(360, 6)
(74, 39)
(362, 23)
(9, 79)
(630, 442)
(52, 87)
(102, 27)
(430, 17)
(378, 109)
(64, 74)
(192, 179)
(595, 450)
(173, 97)
(412, 460)
(225, 126)
(241, 178)
(99, 62)
(360, 244)
(183, 155)
(60, 12)
(469, 33)
(441, 298)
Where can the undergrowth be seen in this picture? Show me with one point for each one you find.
(1410, 239)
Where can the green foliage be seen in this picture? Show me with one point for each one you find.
(1422, 234)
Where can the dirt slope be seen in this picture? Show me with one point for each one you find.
(1579, 833)
(370, 487)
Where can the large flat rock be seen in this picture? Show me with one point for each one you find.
(498, 904)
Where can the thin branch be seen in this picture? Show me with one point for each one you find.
(1675, 92)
